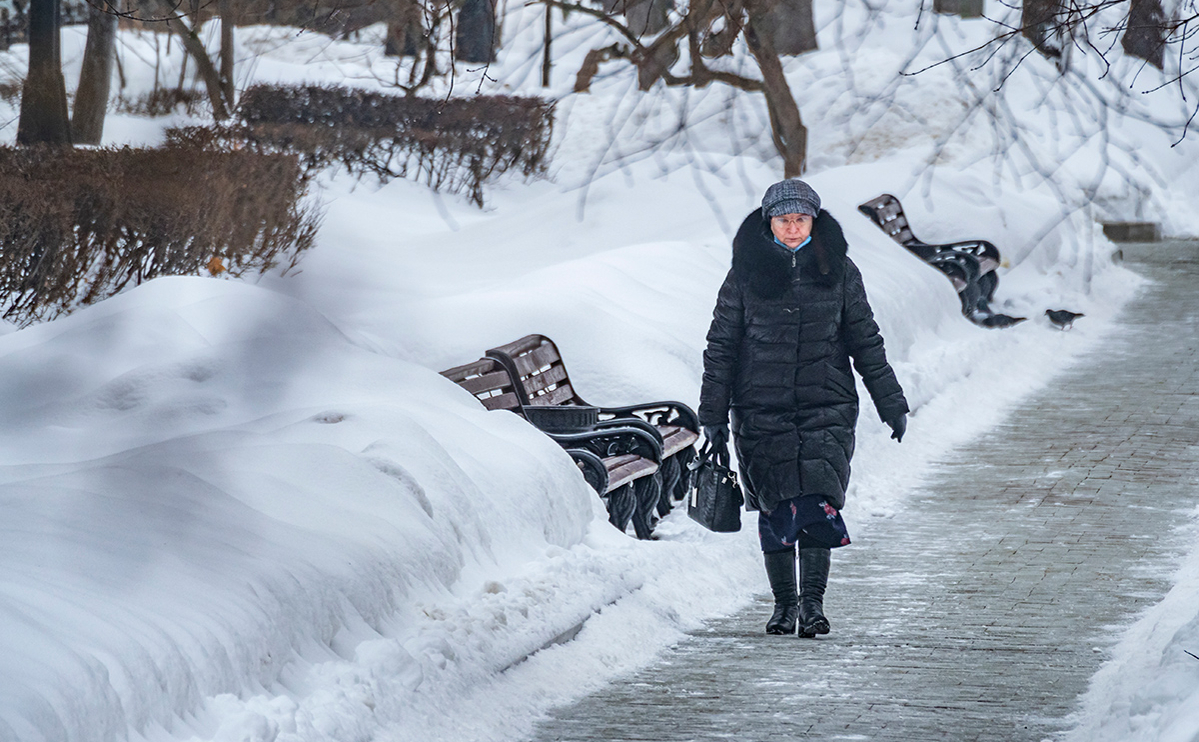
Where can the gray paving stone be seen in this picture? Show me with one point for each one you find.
(981, 611)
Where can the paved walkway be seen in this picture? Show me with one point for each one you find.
(981, 612)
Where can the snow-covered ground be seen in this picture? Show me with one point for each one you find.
(252, 510)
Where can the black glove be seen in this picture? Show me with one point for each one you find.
(898, 425)
(717, 436)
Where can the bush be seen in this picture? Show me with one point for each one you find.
(10, 92)
(457, 144)
(163, 102)
(77, 226)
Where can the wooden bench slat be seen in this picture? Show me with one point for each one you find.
(535, 384)
(523, 345)
(506, 401)
(466, 370)
(537, 359)
(562, 395)
(490, 382)
(675, 438)
(620, 459)
(623, 473)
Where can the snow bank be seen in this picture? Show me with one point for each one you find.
(205, 480)
(1149, 688)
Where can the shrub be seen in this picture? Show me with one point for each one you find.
(457, 144)
(10, 92)
(163, 101)
(77, 226)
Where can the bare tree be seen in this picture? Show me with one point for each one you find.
(642, 16)
(1041, 22)
(189, 35)
(95, 77)
(404, 29)
(475, 35)
(794, 28)
(709, 30)
(44, 96)
(1146, 31)
(1058, 28)
(228, 22)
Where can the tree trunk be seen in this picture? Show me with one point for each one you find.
(971, 8)
(403, 39)
(793, 28)
(786, 127)
(475, 36)
(44, 115)
(6, 25)
(643, 17)
(1145, 32)
(95, 77)
(404, 30)
(195, 48)
(546, 59)
(1041, 23)
(227, 51)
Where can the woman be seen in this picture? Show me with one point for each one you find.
(789, 319)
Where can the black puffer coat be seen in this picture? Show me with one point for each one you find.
(778, 358)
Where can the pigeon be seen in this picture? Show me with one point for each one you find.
(1001, 320)
(1062, 318)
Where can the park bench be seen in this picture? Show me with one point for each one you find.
(620, 462)
(970, 264)
(540, 378)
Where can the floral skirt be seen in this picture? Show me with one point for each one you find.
(807, 521)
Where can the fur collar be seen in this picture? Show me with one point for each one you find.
(766, 266)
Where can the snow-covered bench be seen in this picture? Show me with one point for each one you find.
(618, 460)
(540, 378)
(970, 265)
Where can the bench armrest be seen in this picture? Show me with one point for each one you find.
(630, 422)
(657, 413)
(592, 466)
(613, 441)
(978, 248)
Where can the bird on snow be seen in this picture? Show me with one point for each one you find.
(1001, 320)
(1062, 318)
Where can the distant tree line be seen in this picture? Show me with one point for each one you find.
(14, 21)
(672, 42)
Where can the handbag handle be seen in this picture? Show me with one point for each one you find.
(708, 452)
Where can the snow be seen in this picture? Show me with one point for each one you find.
(252, 510)
(1149, 689)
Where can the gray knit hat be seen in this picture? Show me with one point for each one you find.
(791, 196)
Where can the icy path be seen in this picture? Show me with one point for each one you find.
(982, 609)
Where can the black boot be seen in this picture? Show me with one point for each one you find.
(780, 568)
(813, 579)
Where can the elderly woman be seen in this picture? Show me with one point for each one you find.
(789, 319)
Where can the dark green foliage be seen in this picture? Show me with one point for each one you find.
(455, 145)
(77, 226)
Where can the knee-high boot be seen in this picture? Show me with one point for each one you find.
(813, 579)
(780, 568)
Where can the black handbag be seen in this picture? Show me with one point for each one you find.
(716, 499)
